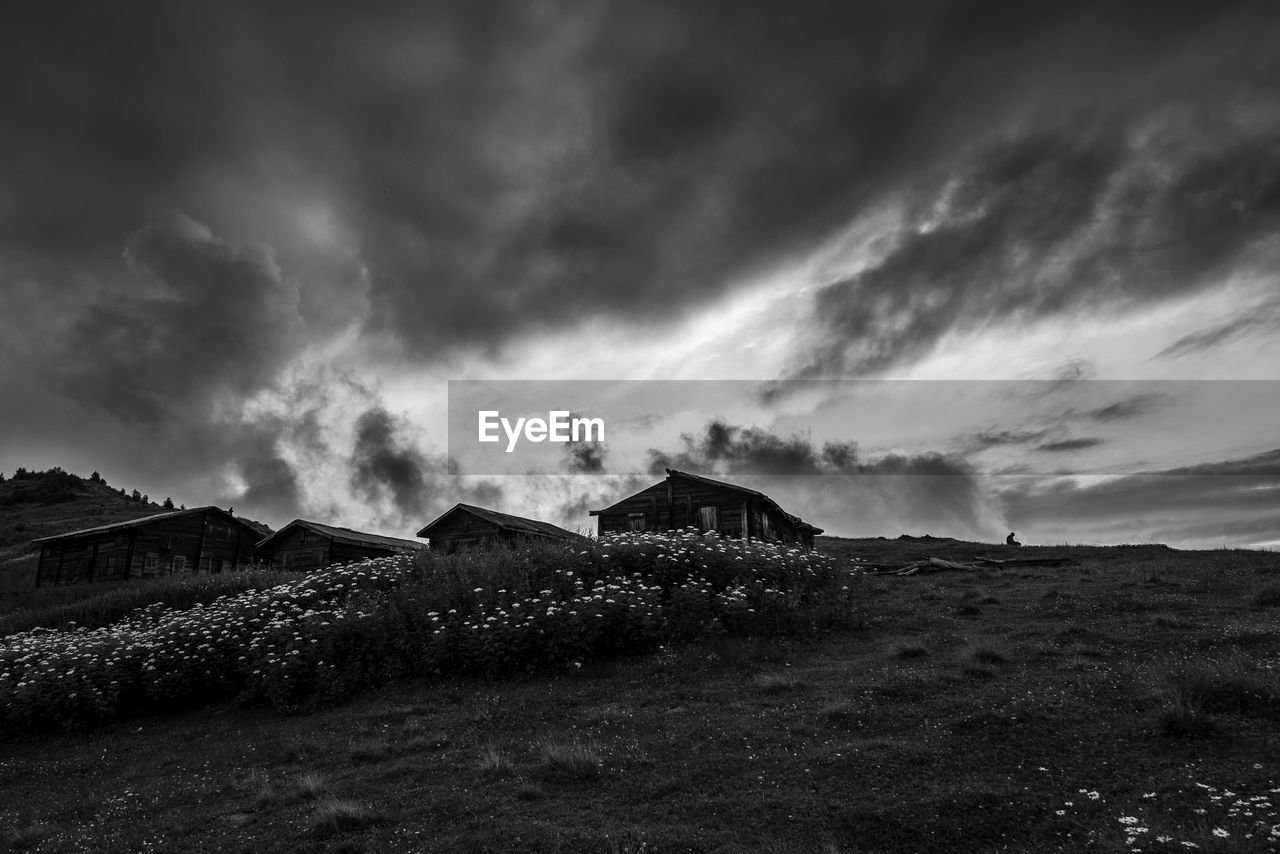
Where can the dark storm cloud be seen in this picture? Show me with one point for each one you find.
(169, 344)
(172, 346)
(585, 457)
(1076, 444)
(503, 166)
(721, 138)
(271, 482)
(831, 486)
(387, 464)
(198, 320)
(451, 174)
(382, 461)
(732, 449)
(1049, 221)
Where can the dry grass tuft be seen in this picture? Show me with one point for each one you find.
(335, 815)
(978, 671)
(988, 655)
(573, 759)
(494, 763)
(263, 791)
(840, 715)
(309, 785)
(531, 792)
(779, 682)
(369, 750)
(906, 651)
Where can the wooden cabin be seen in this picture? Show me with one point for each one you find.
(201, 539)
(303, 545)
(467, 527)
(684, 500)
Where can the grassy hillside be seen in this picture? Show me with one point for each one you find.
(1128, 702)
(45, 504)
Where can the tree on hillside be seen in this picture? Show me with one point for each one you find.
(95, 478)
(19, 473)
(168, 504)
(137, 496)
(1, 477)
(146, 499)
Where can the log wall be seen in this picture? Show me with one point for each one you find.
(186, 544)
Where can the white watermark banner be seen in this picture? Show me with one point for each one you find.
(1040, 427)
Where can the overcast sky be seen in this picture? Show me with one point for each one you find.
(244, 247)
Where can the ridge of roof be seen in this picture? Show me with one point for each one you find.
(503, 520)
(345, 534)
(142, 520)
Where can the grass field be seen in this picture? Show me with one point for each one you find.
(1129, 702)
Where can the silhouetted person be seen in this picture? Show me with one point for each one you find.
(1010, 541)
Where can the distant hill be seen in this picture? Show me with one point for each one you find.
(906, 548)
(47, 503)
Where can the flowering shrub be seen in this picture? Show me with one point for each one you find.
(325, 635)
(160, 657)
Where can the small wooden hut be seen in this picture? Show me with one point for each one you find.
(302, 545)
(201, 539)
(465, 526)
(684, 500)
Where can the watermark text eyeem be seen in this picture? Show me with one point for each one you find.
(560, 425)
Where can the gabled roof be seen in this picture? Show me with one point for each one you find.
(732, 487)
(519, 524)
(345, 535)
(146, 520)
